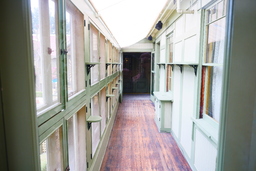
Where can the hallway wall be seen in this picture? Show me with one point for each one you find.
(61, 131)
(181, 49)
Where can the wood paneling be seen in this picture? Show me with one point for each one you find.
(135, 143)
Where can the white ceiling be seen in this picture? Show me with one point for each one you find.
(129, 20)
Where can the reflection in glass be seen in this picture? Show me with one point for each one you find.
(169, 78)
(212, 72)
(215, 42)
(210, 91)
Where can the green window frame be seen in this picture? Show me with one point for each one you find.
(212, 66)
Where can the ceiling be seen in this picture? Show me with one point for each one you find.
(129, 20)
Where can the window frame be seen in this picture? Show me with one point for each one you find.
(74, 7)
(204, 65)
(169, 63)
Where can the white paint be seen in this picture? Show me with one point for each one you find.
(188, 103)
(205, 152)
(177, 57)
(176, 101)
(190, 49)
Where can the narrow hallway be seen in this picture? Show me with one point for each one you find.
(135, 143)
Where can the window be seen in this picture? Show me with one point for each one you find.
(77, 141)
(75, 48)
(212, 70)
(109, 57)
(169, 78)
(152, 73)
(109, 92)
(102, 57)
(96, 125)
(103, 109)
(94, 54)
(46, 52)
(169, 60)
(51, 152)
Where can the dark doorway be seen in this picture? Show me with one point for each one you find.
(136, 72)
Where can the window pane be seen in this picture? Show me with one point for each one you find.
(152, 83)
(103, 109)
(75, 47)
(211, 91)
(51, 152)
(211, 82)
(153, 61)
(169, 78)
(96, 125)
(109, 69)
(109, 91)
(215, 42)
(94, 55)
(102, 57)
(46, 52)
(77, 141)
(170, 48)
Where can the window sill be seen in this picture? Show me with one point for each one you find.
(163, 96)
(208, 126)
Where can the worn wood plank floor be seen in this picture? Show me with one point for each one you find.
(136, 145)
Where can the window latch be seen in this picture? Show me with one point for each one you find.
(67, 168)
(63, 51)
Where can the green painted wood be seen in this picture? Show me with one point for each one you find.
(94, 119)
(237, 133)
(17, 86)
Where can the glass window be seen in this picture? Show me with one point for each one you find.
(75, 48)
(109, 91)
(212, 70)
(94, 54)
(103, 109)
(51, 152)
(77, 141)
(102, 57)
(169, 60)
(170, 48)
(215, 42)
(211, 91)
(46, 52)
(152, 83)
(153, 62)
(169, 78)
(95, 125)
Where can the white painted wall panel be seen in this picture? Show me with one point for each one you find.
(205, 152)
(180, 25)
(162, 55)
(176, 100)
(162, 79)
(177, 52)
(191, 21)
(188, 103)
(168, 115)
(190, 49)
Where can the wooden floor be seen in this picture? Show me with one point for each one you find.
(136, 145)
